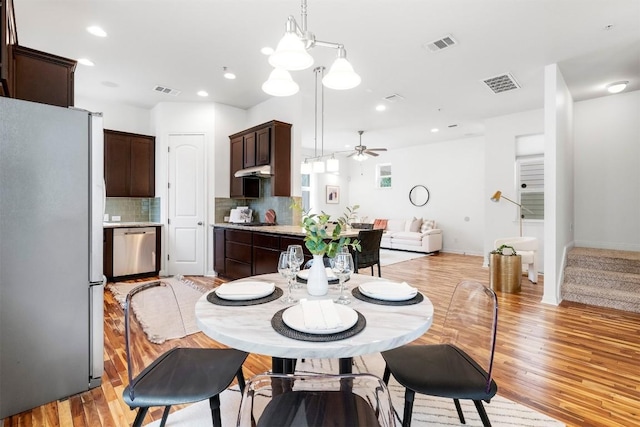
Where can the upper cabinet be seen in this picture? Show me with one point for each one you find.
(129, 164)
(265, 144)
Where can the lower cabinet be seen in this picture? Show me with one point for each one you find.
(243, 253)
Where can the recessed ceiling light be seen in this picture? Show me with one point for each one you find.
(203, 93)
(86, 61)
(228, 74)
(381, 107)
(267, 50)
(97, 31)
(617, 87)
(434, 130)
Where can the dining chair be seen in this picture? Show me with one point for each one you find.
(460, 366)
(180, 375)
(315, 400)
(369, 254)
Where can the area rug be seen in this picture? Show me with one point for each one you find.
(161, 317)
(388, 256)
(427, 411)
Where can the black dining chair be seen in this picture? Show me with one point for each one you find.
(369, 254)
(180, 375)
(315, 400)
(460, 367)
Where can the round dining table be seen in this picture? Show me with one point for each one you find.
(249, 327)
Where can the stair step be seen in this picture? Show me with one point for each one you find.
(601, 296)
(603, 279)
(604, 259)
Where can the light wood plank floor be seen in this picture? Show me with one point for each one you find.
(578, 364)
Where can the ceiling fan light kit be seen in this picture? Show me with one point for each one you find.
(292, 54)
(362, 153)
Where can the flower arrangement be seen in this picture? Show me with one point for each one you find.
(319, 240)
(504, 250)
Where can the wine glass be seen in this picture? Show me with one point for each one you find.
(342, 266)
(296, 258)
(284, 268)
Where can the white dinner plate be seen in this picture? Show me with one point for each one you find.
(247, 290)
(293, 317)
(304, 274)
(388, 291)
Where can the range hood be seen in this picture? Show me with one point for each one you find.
(257, 171)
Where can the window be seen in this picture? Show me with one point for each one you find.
(383, 175)
(306, 192)
(530, 173)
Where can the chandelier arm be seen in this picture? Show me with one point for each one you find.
(328, 44)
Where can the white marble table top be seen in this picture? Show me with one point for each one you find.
(248, 328)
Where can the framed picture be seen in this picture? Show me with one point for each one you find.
(333, 194)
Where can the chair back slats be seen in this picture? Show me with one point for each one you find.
(471, 323)
(369, 254)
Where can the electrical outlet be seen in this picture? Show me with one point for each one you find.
(115, 218)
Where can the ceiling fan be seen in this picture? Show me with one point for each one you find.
(361, 151)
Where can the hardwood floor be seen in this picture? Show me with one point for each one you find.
(578, 364)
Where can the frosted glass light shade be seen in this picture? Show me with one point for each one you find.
(360, 157)
(341, 76)
(333, 165)
(318, 166)
(280, 83)
(305, 168)
(291, 54)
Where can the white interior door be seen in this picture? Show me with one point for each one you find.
(185, 243)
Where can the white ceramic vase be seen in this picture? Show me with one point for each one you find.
(317, 282)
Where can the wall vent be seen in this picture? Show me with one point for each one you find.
(166, 90)
(394, 98)
(440, 44)
(501, 83)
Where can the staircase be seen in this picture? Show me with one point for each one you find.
(603, 277)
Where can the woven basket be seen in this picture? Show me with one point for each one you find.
(505, 272)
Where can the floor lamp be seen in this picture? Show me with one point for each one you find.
(496, 198)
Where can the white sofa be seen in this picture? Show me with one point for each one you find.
(414, 234)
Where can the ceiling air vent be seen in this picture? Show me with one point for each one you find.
(501, 83)
(394, 97)
(166, 90)
(440, 44)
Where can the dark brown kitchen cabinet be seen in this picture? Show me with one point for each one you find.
(218, 251)
(265, 144)
(38, 76)
(129, 164)
(266, 253)
(238, 256)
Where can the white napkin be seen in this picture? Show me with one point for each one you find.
(388, 289)
(320, 314)
(244, 288)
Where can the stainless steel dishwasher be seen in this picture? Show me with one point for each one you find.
(134, 250)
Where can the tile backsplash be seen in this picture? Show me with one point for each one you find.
(133, 209)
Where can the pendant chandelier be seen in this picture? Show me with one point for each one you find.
(292, 54)
(316, 164)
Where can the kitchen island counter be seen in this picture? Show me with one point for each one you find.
(290, 230)
(130, 224)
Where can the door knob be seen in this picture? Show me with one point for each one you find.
(199, 222)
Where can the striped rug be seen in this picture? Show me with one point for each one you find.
(427, 411)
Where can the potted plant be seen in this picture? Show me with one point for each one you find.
(505, 269)
(323, 237)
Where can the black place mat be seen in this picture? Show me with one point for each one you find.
(281, 328)
(359, 295)
(331, 281)
(215, 299)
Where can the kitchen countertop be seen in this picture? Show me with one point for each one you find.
(130, 224)
(292, 230)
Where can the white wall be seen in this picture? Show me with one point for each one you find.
(501, 219)
(229, 120)
(558, 177)
(607, 176)
(124, 118)
(453, 171)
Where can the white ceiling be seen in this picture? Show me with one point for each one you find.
(183, 45)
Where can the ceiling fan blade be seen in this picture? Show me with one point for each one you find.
(352, 154)
(377, 149)
(371, 153)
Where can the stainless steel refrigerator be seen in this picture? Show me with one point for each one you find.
(51, 240)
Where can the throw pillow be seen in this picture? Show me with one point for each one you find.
(427, 224)
(380, 224)
(416, 224)
(407, 225)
